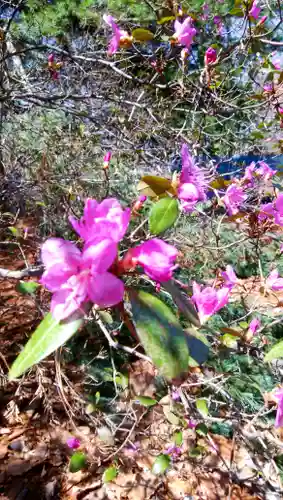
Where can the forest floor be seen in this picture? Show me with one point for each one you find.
(47, 406)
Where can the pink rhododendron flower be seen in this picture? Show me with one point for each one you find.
(274, 209)
(234, 198)
(156, 257)
(219, 23)
(255, 10)
(275, 61)
(273, 281)
(254, 326)
(173, 450)
(73, 443)
(260, 171)
(268, 88)
(280, 111)
(210, 56)
(278, 395)
(76, 277)
(192, 182)
(205, 9)
(104, 220)
(209, 300)
(265, 171)
(120, 37)
(184, 32)
(229, 276)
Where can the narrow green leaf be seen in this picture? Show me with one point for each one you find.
(160, 333)
(201, 405)
(161, 464)
(48, 336)
(146, 401)
(78, 461)
(27, 287)
(201, 429)
(178, 438)
(163, 215)
(275, 352)
(197, 451)
(142, 35)
(183, 302)
(170, 347)
(110, 474)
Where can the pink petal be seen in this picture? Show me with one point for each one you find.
(105, 289)
(55, 276)
(99, 255)
(58, 251)
(157, 259)
(188, 192)
(222, 297)
(64, 304)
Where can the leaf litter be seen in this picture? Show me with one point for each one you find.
(45, 408)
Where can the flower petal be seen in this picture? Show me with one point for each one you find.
(58, 251)
(105, 289)
(99, 255)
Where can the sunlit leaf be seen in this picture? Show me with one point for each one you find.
(161, 464)
(48, 336)
(220, 183)
(178, 438)
(163, 215)
(183, 302)
(142, 35)
(197, 451)
(160, 333)
(78, 461)
(153, 186)
(27, 287)
(146, 401)
(275, 352)
(202, 407)
(110, 474)
(201, 429)
(229, 341)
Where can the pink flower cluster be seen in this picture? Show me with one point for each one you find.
(210, 299)
(78, 277)
(274, 209)
(184, 32)
(192, 187)
(120, 37)
(235, 194)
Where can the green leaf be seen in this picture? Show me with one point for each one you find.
(164, 340)
(161, 464)
(14, 231)
(152, 186)
(201, 429)
(27, 287)
(160, 333)
(275, 352)
(163, 215)
(197, 451)
(110, 474)
(48, 336)
(229, 341)
(78, 461)
(201, 405)
(236, 12)
(178, 438)
(146, 401)
(142, 35)
(183, 302)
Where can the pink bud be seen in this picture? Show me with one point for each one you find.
(210, 56)
(280, 111)
(51, 58)
(255, 10)
(254, 326)
(107, 157)
(262, 20)
(73, 443)
(142, 198)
